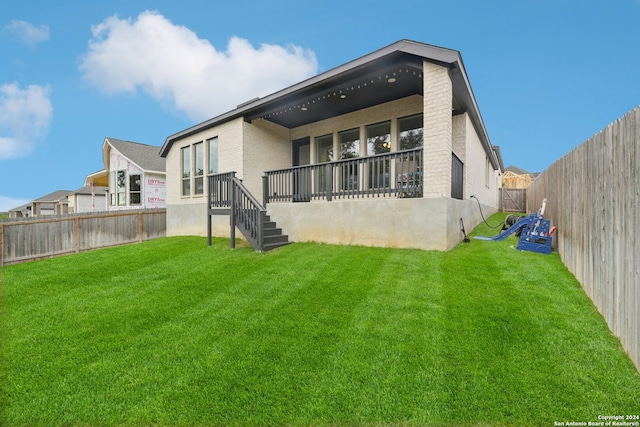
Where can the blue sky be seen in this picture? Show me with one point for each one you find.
(546, 74)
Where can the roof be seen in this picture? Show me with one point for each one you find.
(147, 157)
(55, 197)
(21, 208)
(87, 190)
(518, 170)
(358, 84)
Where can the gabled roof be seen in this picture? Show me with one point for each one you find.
(517, 170)
(358, 84)
(55, 197)
(146, 157)
(87, 190)
(21, 208)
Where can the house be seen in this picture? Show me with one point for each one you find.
(90, 198)
(515, 177)
(55, 203)
(22, 211)
(384, 150)
(133, 173)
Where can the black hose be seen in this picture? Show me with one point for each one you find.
(482, 215)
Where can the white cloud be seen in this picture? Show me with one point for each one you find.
(28, 33)
(7, 203)
(25, 116)
(170, 63)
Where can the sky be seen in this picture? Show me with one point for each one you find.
(546, 74)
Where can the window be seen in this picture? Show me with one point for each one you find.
(186, 171)
(378, 138)
(349, 143)
(212, 147)
(112, 188)
(198, 152)
(121, 187)
(379, 142)
(410, 132)
(349, 149)
(134, 190)
(324, 148)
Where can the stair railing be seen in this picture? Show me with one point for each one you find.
(247, 214)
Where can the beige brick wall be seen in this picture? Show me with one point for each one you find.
(229, 158)
(267, 146)
(181, 220)
(438, 144)
(477, 166)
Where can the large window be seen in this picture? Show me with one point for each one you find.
(134, 190)
(349, 143)
(379, 142)
(349, 149)
(324, 148)
(121, 188)
(212, 147)
(198, 173)
(378, 138)
(410, 132)
(112, 188)
(186, 170)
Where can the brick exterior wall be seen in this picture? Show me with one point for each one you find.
(267, 146)
(438, 144)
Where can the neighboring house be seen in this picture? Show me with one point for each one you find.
(515, 177)
(134, 175)
(385, 150)
(21, 211)
(90, 198)
(55, 203)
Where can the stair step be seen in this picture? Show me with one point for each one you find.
(268, 224)
(272, 231)
(270, 246)
(280, 238)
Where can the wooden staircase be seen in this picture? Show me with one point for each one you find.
(228, 196)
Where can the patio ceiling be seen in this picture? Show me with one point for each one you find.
(395, 77)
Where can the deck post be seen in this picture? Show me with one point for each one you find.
(265, 190)
(328, 177)
(232, 217)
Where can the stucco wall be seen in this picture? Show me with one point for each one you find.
(432, 224)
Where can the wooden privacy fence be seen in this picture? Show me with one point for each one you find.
(28, 239)
(593, 194)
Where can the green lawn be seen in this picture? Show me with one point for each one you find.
(172, 332)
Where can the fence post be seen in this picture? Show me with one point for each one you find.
(76, 233)
(140, 228)
(1, 246)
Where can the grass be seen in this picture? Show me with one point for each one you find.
(172, 332)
